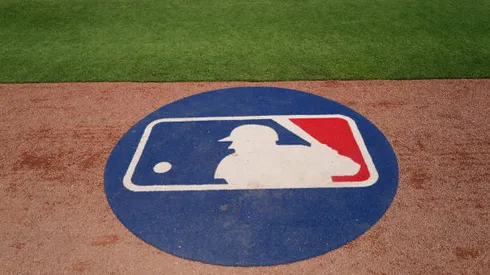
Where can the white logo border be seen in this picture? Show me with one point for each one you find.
(130, 185)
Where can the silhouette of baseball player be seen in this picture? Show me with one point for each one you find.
(259, 162)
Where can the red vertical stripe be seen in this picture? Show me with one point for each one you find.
(337, 134)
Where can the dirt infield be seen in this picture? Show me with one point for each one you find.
(56, 138)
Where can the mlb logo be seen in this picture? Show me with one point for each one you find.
(251, 176)
(250, 152)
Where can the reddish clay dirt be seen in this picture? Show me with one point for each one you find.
(56, 138)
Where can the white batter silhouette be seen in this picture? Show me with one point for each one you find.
(259, 162)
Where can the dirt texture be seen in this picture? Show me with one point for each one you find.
(55, 139)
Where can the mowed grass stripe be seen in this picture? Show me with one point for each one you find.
(217, 40)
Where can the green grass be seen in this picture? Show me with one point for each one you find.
(207, 40)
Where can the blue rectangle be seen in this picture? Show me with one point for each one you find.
(194, 151)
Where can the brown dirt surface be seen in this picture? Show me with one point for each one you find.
(55, 139)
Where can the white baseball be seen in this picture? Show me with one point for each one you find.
(162, 167)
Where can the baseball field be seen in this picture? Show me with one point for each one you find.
(225, 40)
(76, 75)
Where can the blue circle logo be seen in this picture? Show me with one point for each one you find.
(251, 176)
